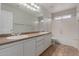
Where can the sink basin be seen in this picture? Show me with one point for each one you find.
(17, 37)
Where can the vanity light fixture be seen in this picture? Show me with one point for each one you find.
(31, 6)
(34, 5)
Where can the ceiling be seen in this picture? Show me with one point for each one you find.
(48, 8)
(57, 7)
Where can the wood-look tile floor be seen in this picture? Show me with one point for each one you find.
(60, 50)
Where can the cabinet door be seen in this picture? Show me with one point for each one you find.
(47, 40)
(40, 45)
(29, 47)
(15, 50)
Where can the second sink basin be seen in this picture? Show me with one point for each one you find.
(17, 37)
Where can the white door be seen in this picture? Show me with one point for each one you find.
(29, 47)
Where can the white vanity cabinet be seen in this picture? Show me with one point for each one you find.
(29, 47)
(13, 49)
(33, 46)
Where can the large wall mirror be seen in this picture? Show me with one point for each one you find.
(17, 18)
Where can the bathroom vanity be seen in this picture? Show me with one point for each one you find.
(32, 45)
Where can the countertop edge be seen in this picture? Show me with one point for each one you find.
(24, 38)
